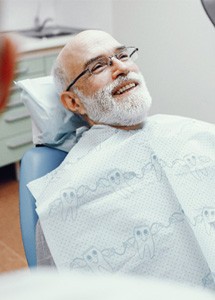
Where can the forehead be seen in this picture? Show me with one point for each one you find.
(84, 47)
(89, 46)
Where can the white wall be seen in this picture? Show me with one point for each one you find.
(177, 53)
(94, 14)
(20, 14)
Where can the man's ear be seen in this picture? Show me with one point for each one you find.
(71, 101)
(7, 66)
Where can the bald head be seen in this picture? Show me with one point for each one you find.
(80, 43)
(70, 62)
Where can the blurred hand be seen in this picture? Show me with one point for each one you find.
(7, 65)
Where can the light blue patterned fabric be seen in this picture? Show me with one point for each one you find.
(138, 202)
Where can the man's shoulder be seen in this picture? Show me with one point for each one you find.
(166, 119)
(178, 126)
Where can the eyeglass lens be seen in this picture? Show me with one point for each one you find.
(123, 55)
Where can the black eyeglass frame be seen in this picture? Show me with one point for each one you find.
(87, 70)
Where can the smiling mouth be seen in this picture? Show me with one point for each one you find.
(124, 89)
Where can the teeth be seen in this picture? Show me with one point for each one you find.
(126, 87)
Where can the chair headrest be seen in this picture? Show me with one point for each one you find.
(52, 124)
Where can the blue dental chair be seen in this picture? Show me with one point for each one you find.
(35, 163)
(53, 124)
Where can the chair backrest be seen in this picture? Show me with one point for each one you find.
(35, 163)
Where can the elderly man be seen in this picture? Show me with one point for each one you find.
(135, 194)
(107, 86)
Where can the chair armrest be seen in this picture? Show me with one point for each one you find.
(35, 163)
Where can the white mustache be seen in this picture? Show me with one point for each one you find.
(132, 76)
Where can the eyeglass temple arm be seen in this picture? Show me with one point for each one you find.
(74, 81)
(135, 50)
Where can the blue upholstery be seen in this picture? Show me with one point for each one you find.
(35, 163)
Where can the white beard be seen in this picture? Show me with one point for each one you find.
(131, 109)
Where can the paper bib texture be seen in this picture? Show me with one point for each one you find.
(139, 202)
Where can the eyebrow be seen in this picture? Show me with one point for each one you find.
(101, 56)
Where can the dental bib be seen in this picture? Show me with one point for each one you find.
(138, 202)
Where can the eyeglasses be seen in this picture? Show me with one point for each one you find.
(100, 64)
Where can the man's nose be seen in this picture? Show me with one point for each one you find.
(118, 68)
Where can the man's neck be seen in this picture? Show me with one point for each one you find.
(131, 127)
